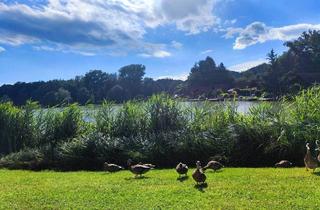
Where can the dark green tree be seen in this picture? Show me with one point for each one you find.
(130, 78)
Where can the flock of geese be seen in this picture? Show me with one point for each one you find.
(182, 169)
(199, 174)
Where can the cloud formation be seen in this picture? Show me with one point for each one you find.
(258, 32)
(2, 49)
(182, 76)
(206, 52)
(246, 65)
(90, 26)
(156, 54)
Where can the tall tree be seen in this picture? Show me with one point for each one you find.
(130, 78)
(272, 57)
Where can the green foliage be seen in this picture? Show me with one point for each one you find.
(205, 75)
(163, 130)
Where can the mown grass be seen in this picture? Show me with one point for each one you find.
(232, 188)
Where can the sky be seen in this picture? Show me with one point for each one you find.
(60, 39)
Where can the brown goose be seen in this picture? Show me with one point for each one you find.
(283, 164)
(112, 167)
(138, 169)
(182, 169)
(309, 161)
(198, 174)
(215, 165)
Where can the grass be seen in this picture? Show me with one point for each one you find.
(232, 188)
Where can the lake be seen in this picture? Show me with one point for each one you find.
(242, 107)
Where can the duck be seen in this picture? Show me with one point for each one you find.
(309, 161)
(283, 164)
(181, 169)
(215, 165)
(198, 174)
(138, 169)
(148, 164)
(112, 167)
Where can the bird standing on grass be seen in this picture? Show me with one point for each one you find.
(112, 167)
(283, 164)
(138, 169)
(182, 169)
(309, 161)
(214, 165)
(198, 174)
(148, 164)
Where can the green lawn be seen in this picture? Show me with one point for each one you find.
(232, 188)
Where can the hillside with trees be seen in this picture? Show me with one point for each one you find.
(285, 74)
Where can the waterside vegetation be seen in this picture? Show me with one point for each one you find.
(159, 130)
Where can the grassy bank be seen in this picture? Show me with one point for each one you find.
(232, 188)
(159, 130)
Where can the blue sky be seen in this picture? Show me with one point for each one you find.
(59, 39)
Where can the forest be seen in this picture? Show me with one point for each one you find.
(284, 75)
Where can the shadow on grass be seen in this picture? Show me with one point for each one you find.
(317, 173)
(201, 187)
(137, 178)
(182, 178)
(212, 171)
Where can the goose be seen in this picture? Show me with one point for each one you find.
(181, 169)
(138, 169)
(309, 161)
(283, 164)
(215, 165)
(198, 174)
(112, 167)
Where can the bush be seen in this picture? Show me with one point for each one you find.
(31, 159)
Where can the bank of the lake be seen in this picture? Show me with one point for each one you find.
(161, 130)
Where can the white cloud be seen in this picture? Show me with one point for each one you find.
(190, 16)
(183, 76)
(258, 32)
(156, 54)
(176, 45)
(206, 51)
(2, 49)
(230, 22)
(92, 26)
(246, 65)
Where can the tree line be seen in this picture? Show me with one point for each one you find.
(285, 74)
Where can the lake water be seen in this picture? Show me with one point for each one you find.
(242, 107)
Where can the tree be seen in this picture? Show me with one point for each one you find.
(150, 87)
(130, 78)
(117, 94)
(98, 83)
(221, 67)
(63, 96)
(205, 76)
(272, 57)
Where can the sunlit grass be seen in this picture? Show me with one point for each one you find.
(243, 188)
